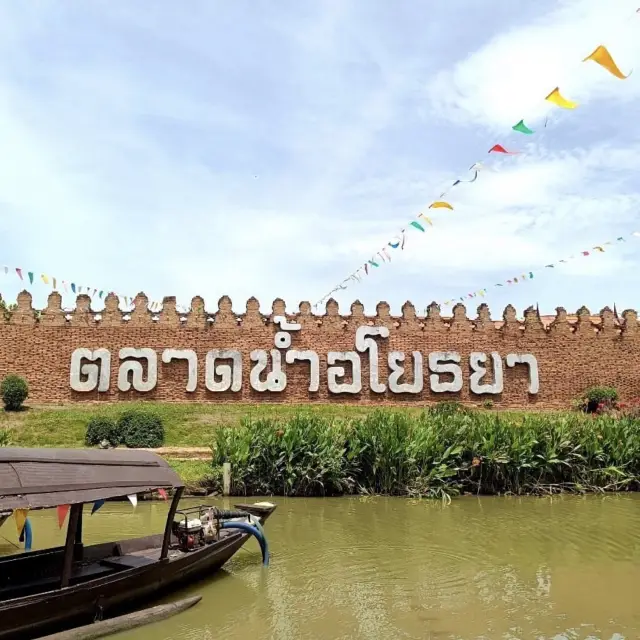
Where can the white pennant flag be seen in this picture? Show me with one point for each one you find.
(133, 498)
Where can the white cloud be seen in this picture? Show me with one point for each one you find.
(268, 152)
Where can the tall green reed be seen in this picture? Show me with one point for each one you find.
(435, 454)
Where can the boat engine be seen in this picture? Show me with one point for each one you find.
(190, 534)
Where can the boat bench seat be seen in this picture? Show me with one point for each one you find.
(127, 562)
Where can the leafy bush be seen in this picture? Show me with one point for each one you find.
(598, 399)
(102, 428)
(432, 455)
(14, 391)
(139, 429)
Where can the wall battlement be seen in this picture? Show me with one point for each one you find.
(112, 355)
(53, 315)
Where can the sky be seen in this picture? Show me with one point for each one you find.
(269, 149)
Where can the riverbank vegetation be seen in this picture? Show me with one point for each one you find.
(441, 452)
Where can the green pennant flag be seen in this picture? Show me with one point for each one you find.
(375, 264)
(100, 294)
(30, 273)
(530, 274)
(417, 225)
(522, 128)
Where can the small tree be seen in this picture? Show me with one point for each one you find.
(101, 428)
(14, 391)
(139, 429)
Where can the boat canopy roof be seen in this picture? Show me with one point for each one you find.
(43, 478)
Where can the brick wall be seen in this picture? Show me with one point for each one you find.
(572, 354)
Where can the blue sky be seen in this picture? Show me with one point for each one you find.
(270, 148)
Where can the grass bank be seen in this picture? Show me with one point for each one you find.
(186, 425)
(437, 453)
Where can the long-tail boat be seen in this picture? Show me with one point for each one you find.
(49, 590)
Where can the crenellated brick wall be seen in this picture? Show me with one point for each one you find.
(571, 354)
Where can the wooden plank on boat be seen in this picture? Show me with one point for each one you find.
(126, 622)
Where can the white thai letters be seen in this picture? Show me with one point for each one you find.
(230, 374)
(97, 375)
(365, 342)
(445, 362)
(192, 364)
(526, 358)
(402, 373)
(476, 361)
(333, 373)
(136, 370)
(396, 358)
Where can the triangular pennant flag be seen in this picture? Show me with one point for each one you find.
(522, 128)
(600, 249)
(620, 239)
(163, 494)
(549, 266)
(30, 274)
(94, 293)
(373, 263)
(602, 57)
(515, 279)
(73, 287)
(417, 225)
(100, 294)
(366, 269)
(615, 311)
(499, 285)
(556, 98)
(6, 271)
(96, 505)
(55, 283)
(133, 498)
(21, 517)
(45, 279)
(530, 274)
(62, 510)
(456, 183)
(79, 288)
(498, 148)
(427, 220)
(585, 253)
(19, 272)
(440, 205)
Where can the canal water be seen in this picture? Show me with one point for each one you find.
(494, 568)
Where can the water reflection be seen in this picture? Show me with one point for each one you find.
(507, 568)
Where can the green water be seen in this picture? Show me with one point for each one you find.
(498, 568)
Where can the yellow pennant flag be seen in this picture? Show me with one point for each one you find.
(45, 279)
(600, 249)
(602, 57)
(559, 101)
(440, 205)
(427, 220)
(21, 517)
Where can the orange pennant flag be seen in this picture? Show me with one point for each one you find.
(21, 518)
(602, 57)
(62, 509)
(440, 205)
(559, 101)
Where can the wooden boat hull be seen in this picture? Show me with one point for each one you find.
(37, 615)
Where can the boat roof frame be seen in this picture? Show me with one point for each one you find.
(46, 478)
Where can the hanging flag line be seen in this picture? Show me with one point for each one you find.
(30, 277)
(600, 56)
(530, 274)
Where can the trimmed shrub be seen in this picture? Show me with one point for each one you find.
(102, 428)
(14, 391)
(139, 429)
(598, 399)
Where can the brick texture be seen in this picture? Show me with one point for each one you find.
(572, 353)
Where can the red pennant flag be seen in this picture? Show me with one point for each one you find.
(163, 494)
(19, 272)
(498, 148)
(63, 509)
(585, 253)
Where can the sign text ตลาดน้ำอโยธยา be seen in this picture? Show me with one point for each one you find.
(91, 369)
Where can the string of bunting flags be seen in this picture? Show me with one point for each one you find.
(600, 56)
(20, 515)
(31, 277)
(528, 275)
